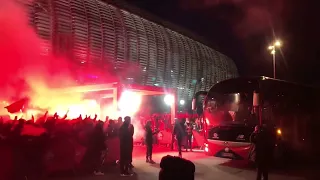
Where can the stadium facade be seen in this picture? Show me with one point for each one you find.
(97, 33)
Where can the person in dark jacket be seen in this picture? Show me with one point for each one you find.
(252, 151)
(179, 134)
(149, 142)
(95, 148)
(112, 131)
(117, 127)
(264, 152)
(131, 130)
(125, 147)
(189, 136)
(119, 122)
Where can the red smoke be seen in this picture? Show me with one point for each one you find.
(20, 53)
(27, 73)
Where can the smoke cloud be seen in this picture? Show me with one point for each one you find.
(27, 73)
(20, 52)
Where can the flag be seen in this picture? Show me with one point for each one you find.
(31, 130)
(18, 105)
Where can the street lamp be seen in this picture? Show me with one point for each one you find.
(273, 51)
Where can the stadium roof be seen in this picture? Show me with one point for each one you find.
(149, 16)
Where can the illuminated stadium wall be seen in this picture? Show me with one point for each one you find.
(91, 32)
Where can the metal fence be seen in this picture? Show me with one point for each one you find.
(91, 32)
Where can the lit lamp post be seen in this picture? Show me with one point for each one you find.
(273, 51)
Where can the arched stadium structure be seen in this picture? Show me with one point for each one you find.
(99, 33)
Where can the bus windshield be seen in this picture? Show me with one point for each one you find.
(230, 102)
(227, 109)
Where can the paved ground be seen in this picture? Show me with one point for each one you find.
(207, 168)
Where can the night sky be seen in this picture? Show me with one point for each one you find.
(243, 29)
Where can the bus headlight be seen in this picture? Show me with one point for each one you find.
(206, 147)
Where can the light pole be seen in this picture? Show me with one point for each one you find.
(273, 51)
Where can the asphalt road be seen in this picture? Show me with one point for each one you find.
(207, 168)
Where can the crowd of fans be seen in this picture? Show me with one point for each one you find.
(35, 148)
